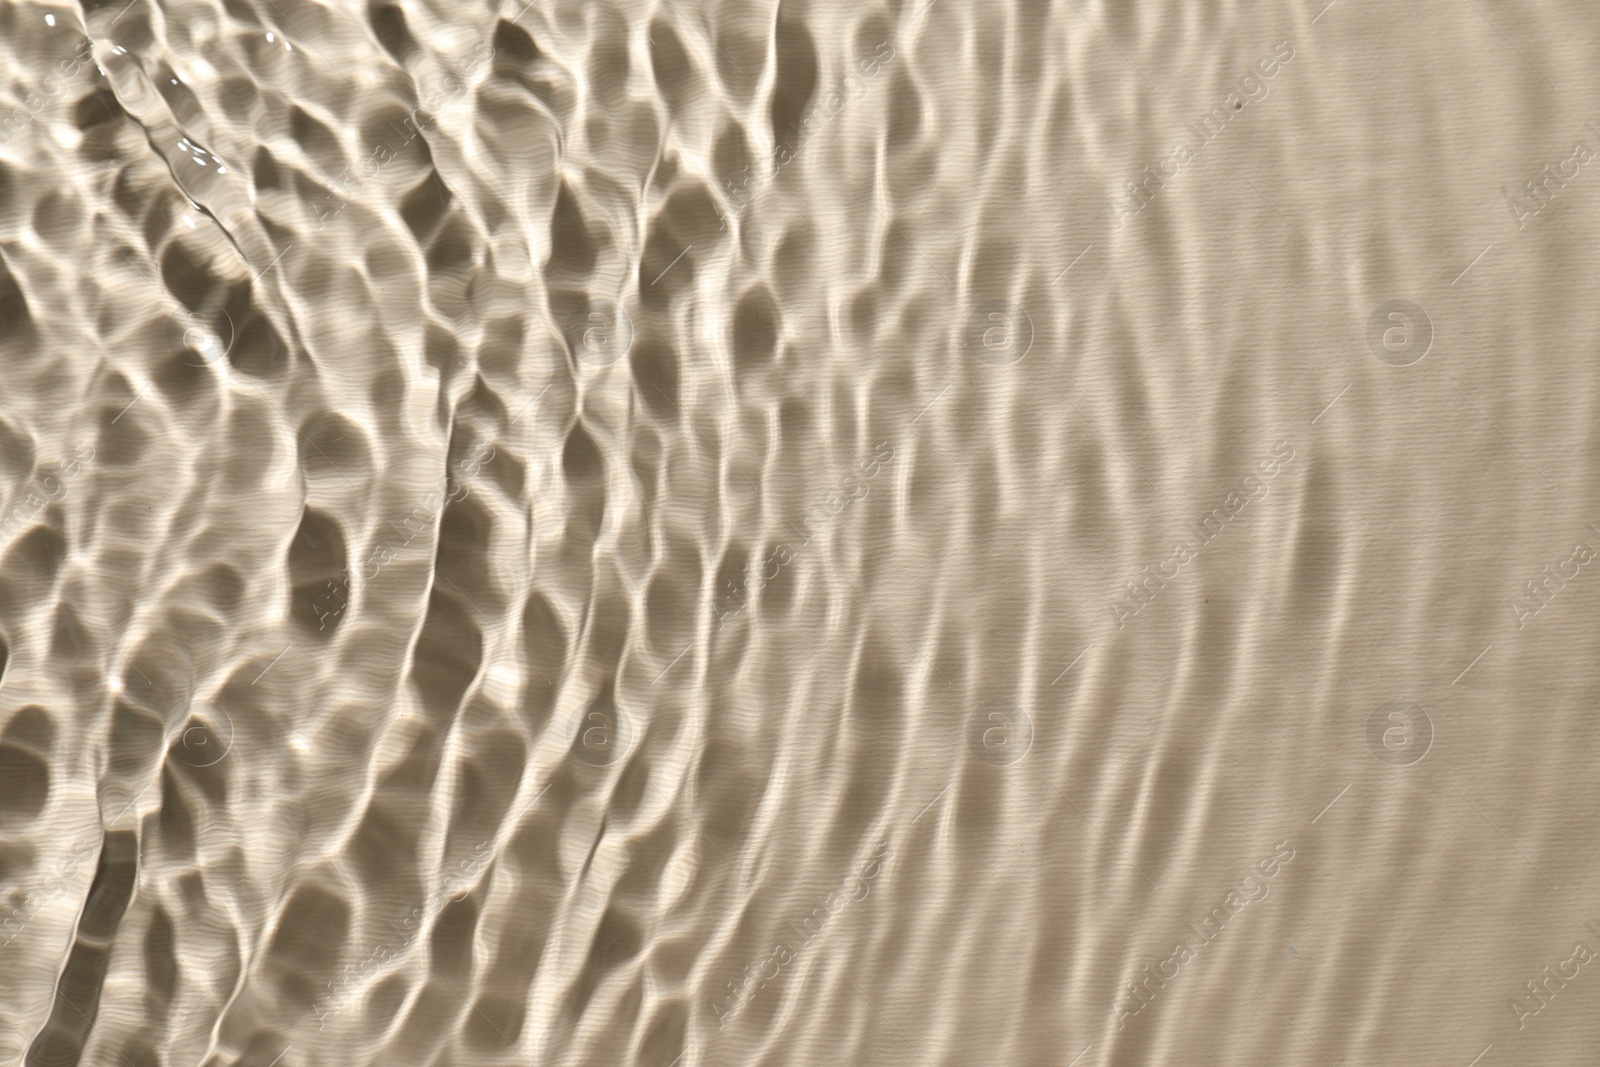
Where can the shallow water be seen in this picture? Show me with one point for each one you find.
(703, 534)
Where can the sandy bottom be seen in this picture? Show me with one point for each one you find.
(1053, 533)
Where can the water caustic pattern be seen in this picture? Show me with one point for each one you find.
(707, 532)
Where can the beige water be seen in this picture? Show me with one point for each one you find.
(1055, 532)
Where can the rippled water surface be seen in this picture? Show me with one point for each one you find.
(1038, 533)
